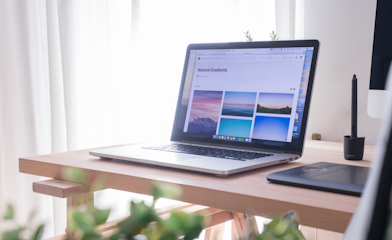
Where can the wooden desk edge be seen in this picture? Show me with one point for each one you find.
(316, 217)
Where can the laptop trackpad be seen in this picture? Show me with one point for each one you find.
(165, 157)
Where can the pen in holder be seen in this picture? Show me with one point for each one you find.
(353, 145)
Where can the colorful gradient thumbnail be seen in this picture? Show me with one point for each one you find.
(239, 104)
(277, 103)
(235, 127)
(205, 110)
(271, 128)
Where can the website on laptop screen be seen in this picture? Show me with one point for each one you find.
(246, 95)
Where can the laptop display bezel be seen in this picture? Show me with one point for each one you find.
(179, 136)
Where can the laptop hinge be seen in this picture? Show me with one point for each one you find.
(231, 146)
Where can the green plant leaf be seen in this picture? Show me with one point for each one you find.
(83, 221)
(248, 36)
(12, 234)
(157, 191)
(165, 190)
(194, 228)
(274, 36)
(279, 226)
(265, 235)
(38, 233)
(91, 235)
(9, 213)
(100, 216)
(141, 216)
(114, 237)
(74, 174)
(182, 224)
(98, 184)
(177, 221)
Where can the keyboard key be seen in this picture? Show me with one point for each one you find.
(209, 152)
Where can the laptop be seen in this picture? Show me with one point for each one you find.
(241, 106)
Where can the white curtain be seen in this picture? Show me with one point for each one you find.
(24, 108)
(290, 19)
(79, 74)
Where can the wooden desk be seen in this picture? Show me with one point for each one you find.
(248, 192)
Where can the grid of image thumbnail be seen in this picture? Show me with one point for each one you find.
(274, 122)
(268, 114)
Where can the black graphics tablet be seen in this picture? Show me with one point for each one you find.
(330, 177)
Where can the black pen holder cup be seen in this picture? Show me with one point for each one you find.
(353, 148)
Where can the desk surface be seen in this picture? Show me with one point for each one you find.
(247, 192)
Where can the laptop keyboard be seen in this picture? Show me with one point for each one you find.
(209, 151)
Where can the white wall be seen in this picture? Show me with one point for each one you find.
(345, 31)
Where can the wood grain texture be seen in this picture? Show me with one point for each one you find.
(248, 192)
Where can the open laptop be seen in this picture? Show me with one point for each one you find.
(241, 106)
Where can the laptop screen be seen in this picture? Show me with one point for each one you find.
(248, 95)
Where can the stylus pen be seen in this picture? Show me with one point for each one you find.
(354, 108)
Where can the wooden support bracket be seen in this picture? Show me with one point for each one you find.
(59, 188)
(78, 194)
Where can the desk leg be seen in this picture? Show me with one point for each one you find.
(76, 201)
(234, 231)
(215, 232)
(207, 236)
(244, 224)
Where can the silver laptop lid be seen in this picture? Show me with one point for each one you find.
(253, 95)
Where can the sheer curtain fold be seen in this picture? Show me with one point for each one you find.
(56, 81)
(24, 125)
(80, 74)
(289, 18)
